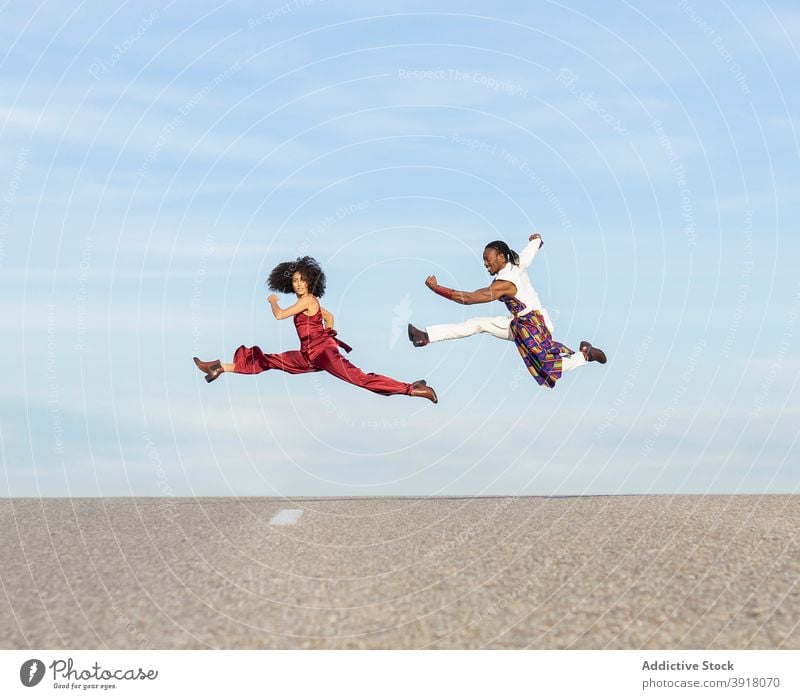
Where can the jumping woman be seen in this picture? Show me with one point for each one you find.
(319, 348)
(529, 326)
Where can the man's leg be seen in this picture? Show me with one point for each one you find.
(497, 326)
(573, 362)
(586, 354)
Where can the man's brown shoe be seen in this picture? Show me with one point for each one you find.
(593, 354)
(418, 337)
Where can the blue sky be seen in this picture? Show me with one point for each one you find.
(160, 158)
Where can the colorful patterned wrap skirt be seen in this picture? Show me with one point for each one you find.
(540, 352)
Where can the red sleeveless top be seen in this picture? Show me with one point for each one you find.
(314, 337)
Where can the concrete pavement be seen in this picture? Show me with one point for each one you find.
(586, 572)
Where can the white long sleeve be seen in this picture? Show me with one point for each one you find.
(527, 255)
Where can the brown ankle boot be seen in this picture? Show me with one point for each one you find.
(593, 354)
(211, 369)
(418, 337)
(420, 389)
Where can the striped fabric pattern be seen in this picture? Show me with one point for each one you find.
(540, 352)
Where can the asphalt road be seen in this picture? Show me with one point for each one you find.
(585, 572)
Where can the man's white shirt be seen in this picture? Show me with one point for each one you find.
(518, 276)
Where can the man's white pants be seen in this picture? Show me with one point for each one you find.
(499, 327)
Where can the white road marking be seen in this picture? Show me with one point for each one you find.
(286, 517)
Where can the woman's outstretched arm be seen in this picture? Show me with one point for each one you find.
(492, 292)
(302, 304)
(327, 316)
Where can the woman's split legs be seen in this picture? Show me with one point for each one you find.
(336, 365)
(251, 360)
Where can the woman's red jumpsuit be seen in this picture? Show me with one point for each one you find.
(319, 351)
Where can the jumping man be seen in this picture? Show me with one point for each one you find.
(529, 326)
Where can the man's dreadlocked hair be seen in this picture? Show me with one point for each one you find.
(280, 279)
(502, 247)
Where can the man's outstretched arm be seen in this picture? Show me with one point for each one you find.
(534, 245)
(492, 292)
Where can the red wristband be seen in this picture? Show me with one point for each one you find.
(444, 291)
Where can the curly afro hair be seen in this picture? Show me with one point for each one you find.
(280, 279)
